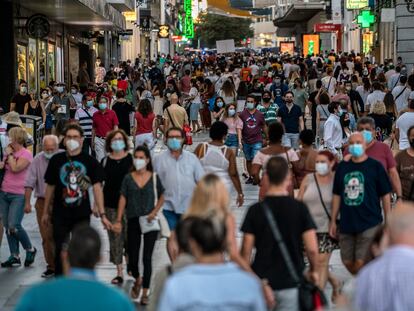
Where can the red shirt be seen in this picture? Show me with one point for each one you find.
(144, 125)
(380, 152)
(104, 122)
(123, 85)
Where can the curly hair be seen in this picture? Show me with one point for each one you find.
(144, 107)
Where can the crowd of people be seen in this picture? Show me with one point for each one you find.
(327, 139)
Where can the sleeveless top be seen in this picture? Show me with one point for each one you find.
(312, 199)
(214, 161)
(37, 111)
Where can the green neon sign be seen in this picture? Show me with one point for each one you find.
(188, 19)
(311, 47)
(366, 19)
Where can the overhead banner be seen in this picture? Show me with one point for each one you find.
(225, 46)
(310, 44)
(287, 47)
(337, 11)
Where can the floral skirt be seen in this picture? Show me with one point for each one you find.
(326, 243)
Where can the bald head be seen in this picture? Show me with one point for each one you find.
(356, 138)
(174, 98)
(401, 225)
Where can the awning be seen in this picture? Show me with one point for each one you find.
(299, 13)
(223, 7)
(82, 14)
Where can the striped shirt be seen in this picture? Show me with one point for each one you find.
(85, 120)
(387, 283)
(270, 113)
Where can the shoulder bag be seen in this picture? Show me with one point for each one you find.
(320, 197)
(311, 297)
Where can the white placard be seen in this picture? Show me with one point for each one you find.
(388, 15)
(225, 46)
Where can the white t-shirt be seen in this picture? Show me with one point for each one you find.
(403, 124)
(329, 83)
(375, 96)
(255, 70)
(403, 92)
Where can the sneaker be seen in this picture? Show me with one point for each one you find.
(48, 274)
(30, 257)
(11, 262)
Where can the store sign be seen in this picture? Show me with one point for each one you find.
(130, 16)
(287, 47)
(164, 31)
(127, 32)
(310, 44)
(37, 26)
(356, 4)
(144, 23)
(188, 19)
(327, 27)
(365, 19)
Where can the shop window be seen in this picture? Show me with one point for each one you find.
(42, 55)
(21, 62)
(32, 65)
(51, 63)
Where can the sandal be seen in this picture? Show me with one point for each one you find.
(144, 300)
(118, 280)
(135, 290)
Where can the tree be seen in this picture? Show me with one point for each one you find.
(213, 27)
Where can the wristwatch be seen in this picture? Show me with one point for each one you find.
(102, 214)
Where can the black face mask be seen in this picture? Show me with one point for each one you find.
(412, 143)
(266, 99)
(346, 123)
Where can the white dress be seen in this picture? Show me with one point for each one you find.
(215, 162)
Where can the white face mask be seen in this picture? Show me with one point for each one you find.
(72, 144)
(322, 168)
(140, 164)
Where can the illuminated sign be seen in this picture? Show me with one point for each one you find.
(366, 19)
(310, 44)
(326, 27)
(130, 16)
(188, 19)
(287, 47)
(164, 31)
(356, 4)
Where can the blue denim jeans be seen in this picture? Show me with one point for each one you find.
(250, 150)
(12, 212)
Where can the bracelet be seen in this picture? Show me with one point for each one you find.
(101, 215)
(265, 282)
(241, 195)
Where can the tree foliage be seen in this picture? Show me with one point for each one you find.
(213, 27)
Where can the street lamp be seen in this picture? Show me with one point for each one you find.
(410, 5)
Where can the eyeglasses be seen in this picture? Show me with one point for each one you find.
(252, 102)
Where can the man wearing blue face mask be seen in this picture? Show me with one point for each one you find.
(380, 152)
(361, 187)
(179, 171)
(35, 181)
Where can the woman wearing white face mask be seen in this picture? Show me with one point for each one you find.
(316, 193)
(138, 198)
(116, 165)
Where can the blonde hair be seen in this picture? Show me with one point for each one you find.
(210, 197)
(378, 108)
(18, 135)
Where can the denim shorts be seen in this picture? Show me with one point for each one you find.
(250, 150)
(172, 218)
(232, 141)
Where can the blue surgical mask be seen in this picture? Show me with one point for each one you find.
(118, 145)
(89, 103)
(232, 112)
(174, 144)
(220, 104)
(250, 106)
(367, 136)
(340, 112)
(102, 106)
(356, 150)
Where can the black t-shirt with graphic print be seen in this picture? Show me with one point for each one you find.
(73, 178)
(361, 186)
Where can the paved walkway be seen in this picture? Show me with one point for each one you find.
(14, 281)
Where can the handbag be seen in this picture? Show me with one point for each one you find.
(311, 297)
(188, 136)
(159, 223)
